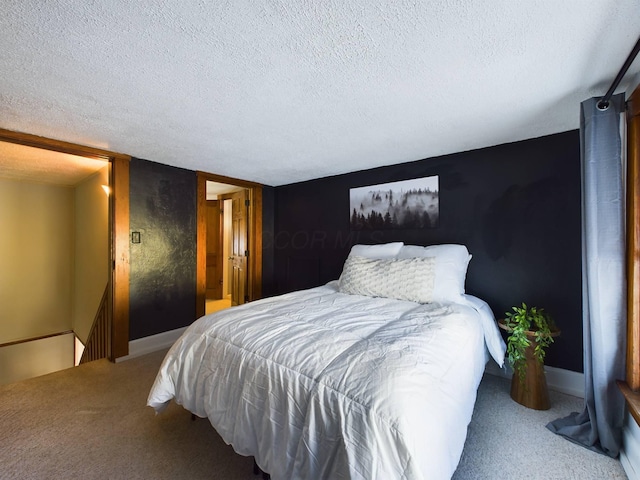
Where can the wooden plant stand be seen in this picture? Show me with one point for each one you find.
(532, 391)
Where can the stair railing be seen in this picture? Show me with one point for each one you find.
(99, 340)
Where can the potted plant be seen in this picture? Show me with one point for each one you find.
(530, 331)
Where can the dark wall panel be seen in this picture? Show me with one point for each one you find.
(163, 264)
(268, 285)
(516, 207)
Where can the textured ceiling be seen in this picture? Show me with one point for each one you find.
(19, 162)
(214, 189)
(283, 91)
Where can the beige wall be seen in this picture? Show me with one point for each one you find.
(91, 250)
(31, 359)
(36, 259)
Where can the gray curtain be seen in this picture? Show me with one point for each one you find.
(599, 426)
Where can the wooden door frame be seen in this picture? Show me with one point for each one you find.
(223, 237)
(633, 241)
(631, 386)
(254, 288)
(118, 226)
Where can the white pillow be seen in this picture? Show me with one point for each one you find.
(383, 250)
(451, 268)
(408, 279)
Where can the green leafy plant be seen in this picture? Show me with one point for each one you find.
(523, 323)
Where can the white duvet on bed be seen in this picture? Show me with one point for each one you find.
(318, 384)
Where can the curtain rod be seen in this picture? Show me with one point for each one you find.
(603, 104)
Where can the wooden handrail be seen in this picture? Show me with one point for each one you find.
(32, 339)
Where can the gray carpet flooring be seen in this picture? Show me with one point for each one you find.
(507, 441)
(91, 422)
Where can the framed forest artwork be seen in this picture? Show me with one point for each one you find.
(405, 204)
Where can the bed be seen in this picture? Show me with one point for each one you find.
(370, 376)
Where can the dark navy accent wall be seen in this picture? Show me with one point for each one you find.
(515, 206)
(268, 277)
(163, 264)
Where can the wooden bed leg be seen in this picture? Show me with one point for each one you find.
(193, 417)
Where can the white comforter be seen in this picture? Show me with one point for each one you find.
(321, 385)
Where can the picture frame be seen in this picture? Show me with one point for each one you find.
(396, 205)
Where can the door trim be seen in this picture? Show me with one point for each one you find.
(118, 226)
(254, 288)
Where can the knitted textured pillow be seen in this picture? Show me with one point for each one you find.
(403, 279)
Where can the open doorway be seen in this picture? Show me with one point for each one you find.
(226, 237)
(229, 244)
(116, 312)
(55, 209)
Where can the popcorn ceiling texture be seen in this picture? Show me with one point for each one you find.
(19, 162)
(284, 91)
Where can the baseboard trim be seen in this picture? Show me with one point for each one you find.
(627, 466)
(630, 452)
(152, 343)
(558, 379)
